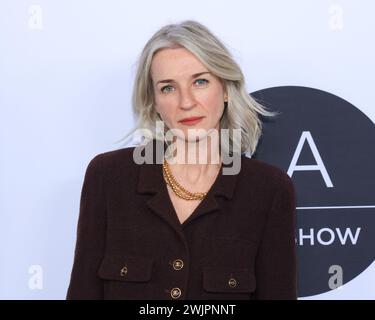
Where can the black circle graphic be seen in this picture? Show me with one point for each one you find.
(327, 146)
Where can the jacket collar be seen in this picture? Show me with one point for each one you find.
(151, 181)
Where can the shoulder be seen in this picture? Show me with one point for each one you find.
(110, 160)
(266, 176)
(273, 190)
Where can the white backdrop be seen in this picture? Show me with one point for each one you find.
(66, 72)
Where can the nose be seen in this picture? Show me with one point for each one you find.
(187, 99)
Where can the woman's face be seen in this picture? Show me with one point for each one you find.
(184, 88)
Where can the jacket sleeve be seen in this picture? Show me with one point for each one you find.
(275, 267)
(91, 233)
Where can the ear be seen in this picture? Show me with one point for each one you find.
(225, 92)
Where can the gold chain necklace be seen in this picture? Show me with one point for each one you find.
(179, 190)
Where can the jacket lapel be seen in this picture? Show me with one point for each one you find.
(151, 181)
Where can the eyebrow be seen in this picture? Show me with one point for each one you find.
(193, 76)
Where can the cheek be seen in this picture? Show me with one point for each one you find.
(163, 105)
(214, 105)
(166, 108)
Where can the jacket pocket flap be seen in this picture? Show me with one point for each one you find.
(126, 268)
(227, 279)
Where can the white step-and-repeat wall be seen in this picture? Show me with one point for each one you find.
(66, 73)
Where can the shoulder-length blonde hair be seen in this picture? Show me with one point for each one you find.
(242, 110)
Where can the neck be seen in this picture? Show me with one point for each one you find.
(195, 161)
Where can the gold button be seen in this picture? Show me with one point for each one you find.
(178, 264)
(175, 293)
(124, 271)
(232, 282)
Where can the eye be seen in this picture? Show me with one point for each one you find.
(204, 81)
(162, 89)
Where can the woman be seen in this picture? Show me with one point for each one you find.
(184, 229)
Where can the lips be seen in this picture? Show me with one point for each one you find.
(191, 120)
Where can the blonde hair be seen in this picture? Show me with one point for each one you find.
(242, 110)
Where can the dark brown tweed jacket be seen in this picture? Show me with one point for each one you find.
(239, 243)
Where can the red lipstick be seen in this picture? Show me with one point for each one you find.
(191, 121)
